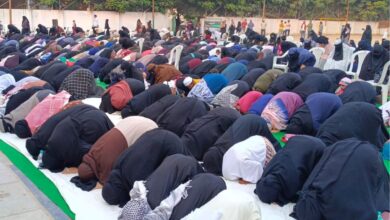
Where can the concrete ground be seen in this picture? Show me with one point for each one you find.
(20, 199)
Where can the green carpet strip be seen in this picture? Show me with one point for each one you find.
(45, 185)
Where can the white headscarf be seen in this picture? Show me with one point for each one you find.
(246, 160)
(228, 205)
(5, 81)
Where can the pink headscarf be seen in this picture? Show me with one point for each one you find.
(245, 102)
(291, 101)
(49, 106)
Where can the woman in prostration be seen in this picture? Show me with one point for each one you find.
(99, 161)
(243, 128)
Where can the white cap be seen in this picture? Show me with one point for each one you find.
(187, 81)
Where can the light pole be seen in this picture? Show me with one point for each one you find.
(263, 9)
(10, 10)
(153, 14)
(347, 18)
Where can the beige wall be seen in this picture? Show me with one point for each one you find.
(83, 18)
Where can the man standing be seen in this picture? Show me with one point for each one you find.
(251, 25)
(95, 24)
(288, 28)
(244, 24)
(263, 27)
(309, 28)
(303, 30)
(321, 28)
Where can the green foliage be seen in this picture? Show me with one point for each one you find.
(305, 9)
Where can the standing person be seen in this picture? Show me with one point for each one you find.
(95, 24)
(346, 33)
(74, 27)
(178, 23)
(1, 28)
(190, 27)
(223, 28)
(244, 25)
(309, 28)
(263, 27)
(251, 25)
(107, 29)
(138, 28)
(281, 28)
(321, 28)
(367, 34)
(25, 26)
(232, 28)
(288, 28)
(303, 30)
(239, 27)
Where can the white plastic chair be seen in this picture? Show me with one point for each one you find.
(176, 52)
(380, 83)
(317, 52)
(281, 66)
(361, 55)
(242, 38)
(140, 42)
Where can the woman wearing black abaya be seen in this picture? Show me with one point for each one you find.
(177, 117)
(359, 91)
(335, 76)
(367, 35)
(289, 169)
(252, 76)
(308, 71)
(50, 74)
(138, 162)
(154, 110)
(355, 119)
(203, 68)
(82, 125)
(373, 63)
(203, 132)
(166, 183)
(350, 167)
(313, 83)
(202, 188)
(284, 83)
(144, 99)
(19, 98)
(25, 26)
(244, 127)
(317, 108)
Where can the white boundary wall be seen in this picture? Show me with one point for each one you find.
(83, 18)
(128, 19)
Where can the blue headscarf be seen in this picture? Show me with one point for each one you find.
(322, 105)
(215, 82)
(259, 105)
(235, 71)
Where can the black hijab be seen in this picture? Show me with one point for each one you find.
(243, 128)
(350, 167)
(103, 74)
(308, 71)
(252, 76)
(336, 76)
(144, 99)
(19, 98)
(204, 68)
(157, 108)
(359, 91)
(289, 169)
(284, 83)
(338, 52)
(315, 82)
(82, 124)
(255, 64)
(355, 119)
(374, 62)
(202, 188)
(203, 132)
(173, 171)
(177, 117)
(138, 162)
(60, 77)
(50, 74)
